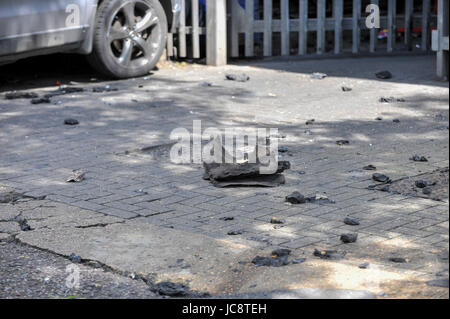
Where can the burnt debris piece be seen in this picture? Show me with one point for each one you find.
(381, 178)
(170, 289)
(342, 142)
(351, 221)
(243, 174)
(275, 220)
(349, 238)
(278, 258)
(391, 99)
(399, 260)
(23, 223)
(237, 77)
(369, 168)
(298, 198)
(71, 122)
(346, 89)
(75, 258)
(329, 254)
(421, 184)
(418, 158)
(384, 75)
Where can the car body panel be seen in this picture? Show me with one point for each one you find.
(27, 25)
(35, 27)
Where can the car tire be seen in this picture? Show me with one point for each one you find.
(129, 37)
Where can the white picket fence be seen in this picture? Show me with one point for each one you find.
(242, 26)
(194, 31)
(244, 22)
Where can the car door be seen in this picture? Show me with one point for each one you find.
(27, 25)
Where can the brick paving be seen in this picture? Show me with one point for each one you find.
(39, 152)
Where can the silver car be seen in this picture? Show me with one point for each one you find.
(122, 38)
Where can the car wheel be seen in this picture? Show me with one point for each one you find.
(129, 37)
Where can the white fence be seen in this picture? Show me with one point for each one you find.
(312, 21)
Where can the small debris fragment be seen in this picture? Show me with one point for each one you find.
(275, 220)
(391, 99)
(270, 261)
(283, 149)
(71, 122)
(381, 178)
(329, 254)
(310, 122)
(75, 258)
(234, 232)
(384, 75)
(296, 198)
(396, 120)
(346, 89)
(318, 75)
(351, 221)
(171, 289)
(76, 177)
(227, 218)
(421, 184)
(364, 265)
(349, 238)
(23, 223)
(342, 142)
(237, 77)
(370, 168)
(397, 260)
(281, 252)
(417, 158)
(427, 191)
(279, 257)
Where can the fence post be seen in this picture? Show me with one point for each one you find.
(268, 7)
(392, 13)
(285, 43)
(182, 53)
(303, 33)
(425, 24)
(409, 8)
(321, 16)
(249, 34)
(374, 33)
(216, 32)
(356, 27)
(442, 54)
(338, 16)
